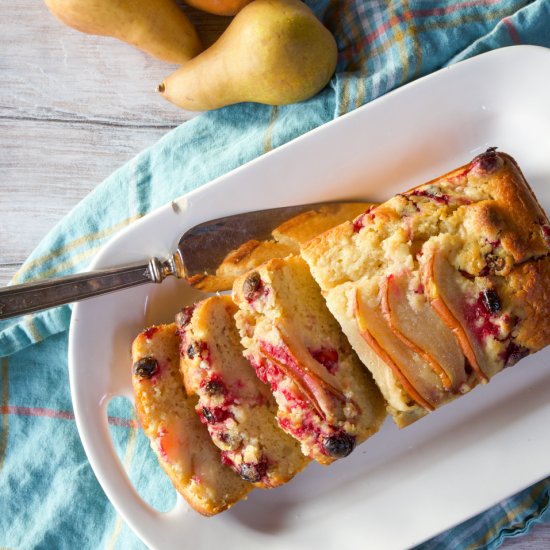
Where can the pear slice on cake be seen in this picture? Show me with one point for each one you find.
(421, 329)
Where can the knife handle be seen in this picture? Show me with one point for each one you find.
(29, 297)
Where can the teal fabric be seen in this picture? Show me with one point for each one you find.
(49, 497)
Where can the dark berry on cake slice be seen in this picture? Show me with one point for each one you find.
(236, 407)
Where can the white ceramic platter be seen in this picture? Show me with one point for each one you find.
(400, 487)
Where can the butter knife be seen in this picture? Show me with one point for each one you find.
(200, 250)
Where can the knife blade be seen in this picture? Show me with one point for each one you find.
(204, 246)
(200, 251)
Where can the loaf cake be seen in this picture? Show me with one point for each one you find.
(443, 286)
(237, 408)
(168, 418)
(326, 399)
(287, 239)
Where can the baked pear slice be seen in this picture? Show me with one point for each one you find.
(414, 321)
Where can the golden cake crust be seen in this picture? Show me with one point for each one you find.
(473, 246)
(528, 287)
(513, 212)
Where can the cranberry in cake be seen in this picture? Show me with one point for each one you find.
(442, 286)
(325, 398)
(236, 407)
(167, 416)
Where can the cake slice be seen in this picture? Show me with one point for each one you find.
(167, 416)
(326, 399)
(287, 240)
(237, 408)
(442, 286)
(302, 228)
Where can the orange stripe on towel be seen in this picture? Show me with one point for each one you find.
(63, 415)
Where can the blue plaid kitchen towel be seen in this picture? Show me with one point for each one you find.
(49, 497)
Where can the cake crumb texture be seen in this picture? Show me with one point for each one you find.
(168, 418)
(237, 408)
(325, 397)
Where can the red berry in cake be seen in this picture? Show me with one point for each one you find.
(339, 445)
(150, 332)
(146, 367)
(432, 193)
(184, 316)
(197, 349)
(214, 387)
(209, 415)
(360, 221)
(191, 351)
(328, 357)
(488, 161)
(215, 415)
(479, 315)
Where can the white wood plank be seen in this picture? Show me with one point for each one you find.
(47, 167)
(50, 71)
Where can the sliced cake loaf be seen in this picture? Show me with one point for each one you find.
(287, 240)
(167, 415)
(326, 399)
(237, 408)
(442, 286)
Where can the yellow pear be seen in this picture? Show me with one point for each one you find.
(157, 27)
(219, 7)
(274, 51)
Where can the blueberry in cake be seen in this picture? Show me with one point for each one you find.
(167, 415)
(238, 409)
(326, 399)
(443, 286)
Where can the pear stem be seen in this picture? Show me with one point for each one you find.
(161, 87)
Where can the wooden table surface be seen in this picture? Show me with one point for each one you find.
(73, 108)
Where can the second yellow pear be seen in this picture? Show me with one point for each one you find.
(157, 27)
(274, 51)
